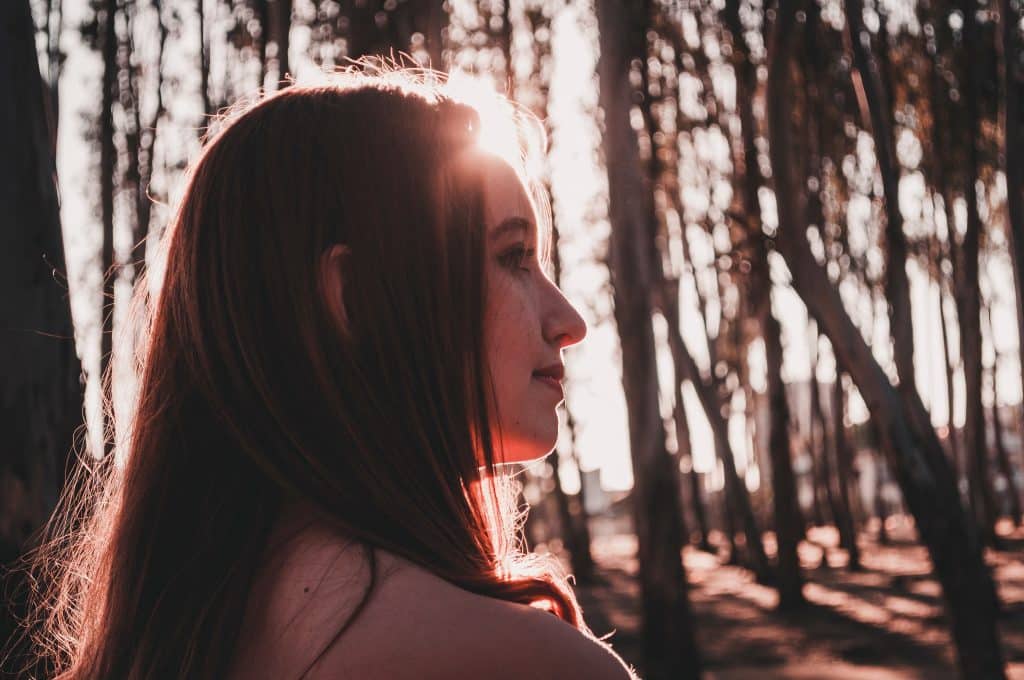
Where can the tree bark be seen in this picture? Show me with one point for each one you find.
(204, 62)
(40, 374)
(1013, 83)
(1002, 455)
(279, 20)
(917, 456)
(966, 273)
(879, 117)
(737, 501)
(580, 557)
(108, 187)
(844, 470)
(374, 30)
(788, 521)
(669, 646)
(956, 455)
(786, 510)
(827, 442)
(682, 423)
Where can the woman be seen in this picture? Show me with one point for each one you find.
(353, 334)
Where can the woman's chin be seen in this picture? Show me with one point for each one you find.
(523, 453)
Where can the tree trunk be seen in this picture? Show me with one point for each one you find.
(879, 116)
(881, 479)
(737, 501)
(954, 440)
(918, 459)
(108, 186)
(374, 29)
(844, 470)
(682, 423)
(279, 20)
(817, 506)
(788, 521)
(40, 375)
(969, 293)
(1013, 83)
(204, 63)
(669, 646)
(580, 558)
(1002, 456)
(827, 443)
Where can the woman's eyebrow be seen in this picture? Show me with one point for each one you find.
(511, 224)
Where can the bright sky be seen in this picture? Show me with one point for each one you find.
(580, 186)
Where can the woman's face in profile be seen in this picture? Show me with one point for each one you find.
(527, 321)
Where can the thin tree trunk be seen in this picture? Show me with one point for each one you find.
(55, 63)
(1002, 456)
(788, 522)
(817, 507)
(40, 374)
(682, 423)
(881, 479)
(919, 461)
(669, 646)
(844, 470)
(279, 18)
(827, 444)
(375, 30)
(982, 495)
(737, 500)
(580, 558)
(954, 440)
(879, 115)
(817, 438)
(1013, 83)
(108, 159)
(204, 62)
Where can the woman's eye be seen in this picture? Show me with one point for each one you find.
(516, 257)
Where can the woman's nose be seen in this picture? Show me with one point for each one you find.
(563, 324)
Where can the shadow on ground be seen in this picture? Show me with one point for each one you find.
(885, 622)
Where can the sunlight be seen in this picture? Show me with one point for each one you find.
(507, 129)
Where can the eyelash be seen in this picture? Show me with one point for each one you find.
(514, 258)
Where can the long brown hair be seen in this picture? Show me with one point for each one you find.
(251, 395)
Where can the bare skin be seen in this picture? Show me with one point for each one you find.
(416, 625)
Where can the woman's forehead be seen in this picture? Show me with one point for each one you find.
(506, 202)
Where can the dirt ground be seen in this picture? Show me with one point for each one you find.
(884, 623)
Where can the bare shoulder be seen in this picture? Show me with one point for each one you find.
(421, 626)
(535, 644)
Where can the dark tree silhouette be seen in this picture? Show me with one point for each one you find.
(40, 375)
(669, 647)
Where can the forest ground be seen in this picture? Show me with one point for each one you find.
(885, 622)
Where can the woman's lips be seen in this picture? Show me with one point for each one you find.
(549, 381)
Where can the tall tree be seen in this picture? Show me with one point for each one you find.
(878, 118)
(669, 647)
(40, 374)
(1013, 152)
(966, 274)
(758, 285)
(108, 189)
(680, 419)
(844, 470)
(920, 464)
(1002, 455)
(279, 24)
